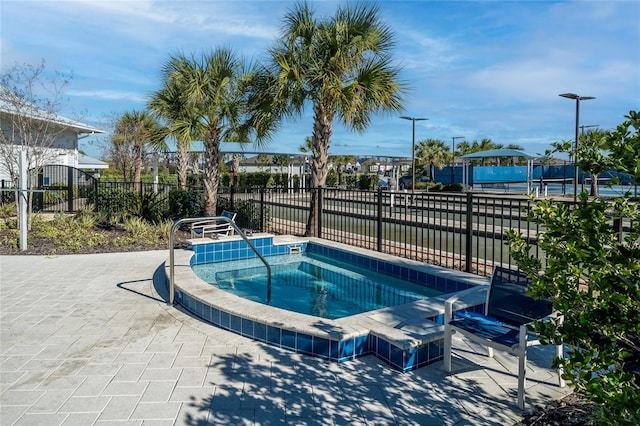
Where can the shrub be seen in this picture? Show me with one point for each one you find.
(184, 203)
(332, 178)
(148, 206)
(366, 182)
(592, 274)
(8, 210)
(115, 200)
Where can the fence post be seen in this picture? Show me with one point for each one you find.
(319, 210)
(95, 189)
(261, 209)
(469, 233)
(617, 227)
(379, 220)
(70, 189)
(232, 193)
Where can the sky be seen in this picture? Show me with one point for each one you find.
(476, 69)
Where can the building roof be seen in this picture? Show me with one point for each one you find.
(86, 162)
(34, 112)
(502, 152)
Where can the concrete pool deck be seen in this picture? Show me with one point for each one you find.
(87, 339)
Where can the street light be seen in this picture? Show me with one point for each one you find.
(453, 154)
(413, 148)
(575, 159)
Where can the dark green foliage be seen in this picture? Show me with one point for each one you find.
(592, 273)
(259, 179)
(452, 187)
(115, 200)
(280, 180)
(184, 203)
(248, 211)
(332, 178)
(366, 182)
(149, 206)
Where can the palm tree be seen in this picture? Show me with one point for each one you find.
(340, 162)
(515, 160)
(342, 66)
(213, 99)
(140, 131)
(433, 153)
(167, 104)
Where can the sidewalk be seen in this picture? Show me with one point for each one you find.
(87, 340)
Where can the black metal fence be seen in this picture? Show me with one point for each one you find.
(464, 231)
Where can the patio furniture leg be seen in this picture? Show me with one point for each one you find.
(522, 365)
(447, 348)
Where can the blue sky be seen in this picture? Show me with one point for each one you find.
(478, 69)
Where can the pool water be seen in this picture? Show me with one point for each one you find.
(312, 284)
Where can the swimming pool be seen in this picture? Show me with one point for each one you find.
(313, 284)
(405, 336)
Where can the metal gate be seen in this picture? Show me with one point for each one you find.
(63, 188)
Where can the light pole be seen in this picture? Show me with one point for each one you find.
(413, 148)
(453, 154)
(575, 157)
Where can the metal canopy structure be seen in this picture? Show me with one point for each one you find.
(502, 152)
(493, 153)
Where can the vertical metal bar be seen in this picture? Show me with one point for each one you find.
(379, 220)
(319, 210)
(469, 232)
(262, 209)
(70, 189)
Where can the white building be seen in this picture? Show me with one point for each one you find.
(62, 149)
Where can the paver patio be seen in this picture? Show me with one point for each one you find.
(88, 339)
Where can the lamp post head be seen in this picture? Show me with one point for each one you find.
(576, 97)
(404, 117)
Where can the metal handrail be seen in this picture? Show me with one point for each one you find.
(179, 222)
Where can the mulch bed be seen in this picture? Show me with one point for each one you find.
(572, 410)
(47, 246)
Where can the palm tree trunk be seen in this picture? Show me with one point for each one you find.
(211, 170)
(321, 139)
(182, 164)
(235, 171)
(594, 184)
(137, 167)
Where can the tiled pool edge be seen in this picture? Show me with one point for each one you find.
(414, 345)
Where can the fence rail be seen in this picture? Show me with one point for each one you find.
(462, 231)
(459, 231)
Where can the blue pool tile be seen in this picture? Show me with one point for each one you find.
(361, 345)
(215, 316)
(334, 346)
(247, 327)
(373, 344)
(423, 355)
(346, 348)
(236, 324)
(383, 349)
(304, 343)
(396, 358)
(288, 339)
(273, 335)
(260, 331)
(225, 320)
(436, 351)
(320, 347)
(410, 359)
